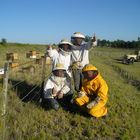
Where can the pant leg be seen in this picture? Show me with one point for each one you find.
(51, 103)
(77, 79)
(66, 100)
(98, 110)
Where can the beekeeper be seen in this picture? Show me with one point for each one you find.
(80, 56)
(62, 55)
(57, 88)
(93, 95)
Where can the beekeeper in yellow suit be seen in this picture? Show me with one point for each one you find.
(93, 94)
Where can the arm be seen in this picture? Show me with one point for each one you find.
(103, 90)
(48, 89)
(64, 90)
(51, 52)
(92, 43)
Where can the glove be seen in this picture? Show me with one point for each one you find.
(94, 38)
(81, 94)
(76, 65)
(49, 47)
(93, 103)
(60, 95)
(65, 89)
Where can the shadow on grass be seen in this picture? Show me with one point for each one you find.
(25, 91)
(119, 60)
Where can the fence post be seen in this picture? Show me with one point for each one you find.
(5, 90)
(43, 75)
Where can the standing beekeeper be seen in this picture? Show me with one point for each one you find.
(62, 55)
(93, 95)
(57, 89)
(80, 56)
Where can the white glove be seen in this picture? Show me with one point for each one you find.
(49, 47)
(81, 94)
(65, 89)
(91, 104)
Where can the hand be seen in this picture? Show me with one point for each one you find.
(77, 65)
(91, 104)
(94, 38)
(81, 94)
(60, 95)
(49, 47)
(54, 92)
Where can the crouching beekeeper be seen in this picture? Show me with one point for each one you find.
(93, 94)
(57, 89)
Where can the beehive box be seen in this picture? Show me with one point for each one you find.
(32, 54)
(13, 64)
(37, 54)
(11, 56)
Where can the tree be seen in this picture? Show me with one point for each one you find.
(3, 41)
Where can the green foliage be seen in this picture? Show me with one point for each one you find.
(3, 41)
(119, 44)
(28, 121)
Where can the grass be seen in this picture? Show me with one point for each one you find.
(28, 121)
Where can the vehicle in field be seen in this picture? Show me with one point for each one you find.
(131, 58)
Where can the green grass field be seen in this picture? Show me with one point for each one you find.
(28, 121)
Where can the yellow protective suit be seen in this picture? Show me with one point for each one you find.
(95, 87)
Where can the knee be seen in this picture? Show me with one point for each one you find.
(56, 106)
(51, 104)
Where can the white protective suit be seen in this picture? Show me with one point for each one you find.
(57, 84)
(81, 53)
(60, 57)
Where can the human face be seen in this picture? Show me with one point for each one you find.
(59, 73)
(65, 47)
(89, 75)
(77, 41)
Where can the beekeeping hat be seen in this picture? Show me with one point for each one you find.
(89, 67)
(78, 35)
(64, 41)
(59, 66)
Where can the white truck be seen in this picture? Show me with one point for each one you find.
(131, 58)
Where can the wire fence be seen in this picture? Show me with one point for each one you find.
(27, 80)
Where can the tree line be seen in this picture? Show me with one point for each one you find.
(118, 43)
(106, 43)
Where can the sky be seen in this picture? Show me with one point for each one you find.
(49, 21)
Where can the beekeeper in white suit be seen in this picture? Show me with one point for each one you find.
(62, 55)
(80, 56)
(57, 89)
